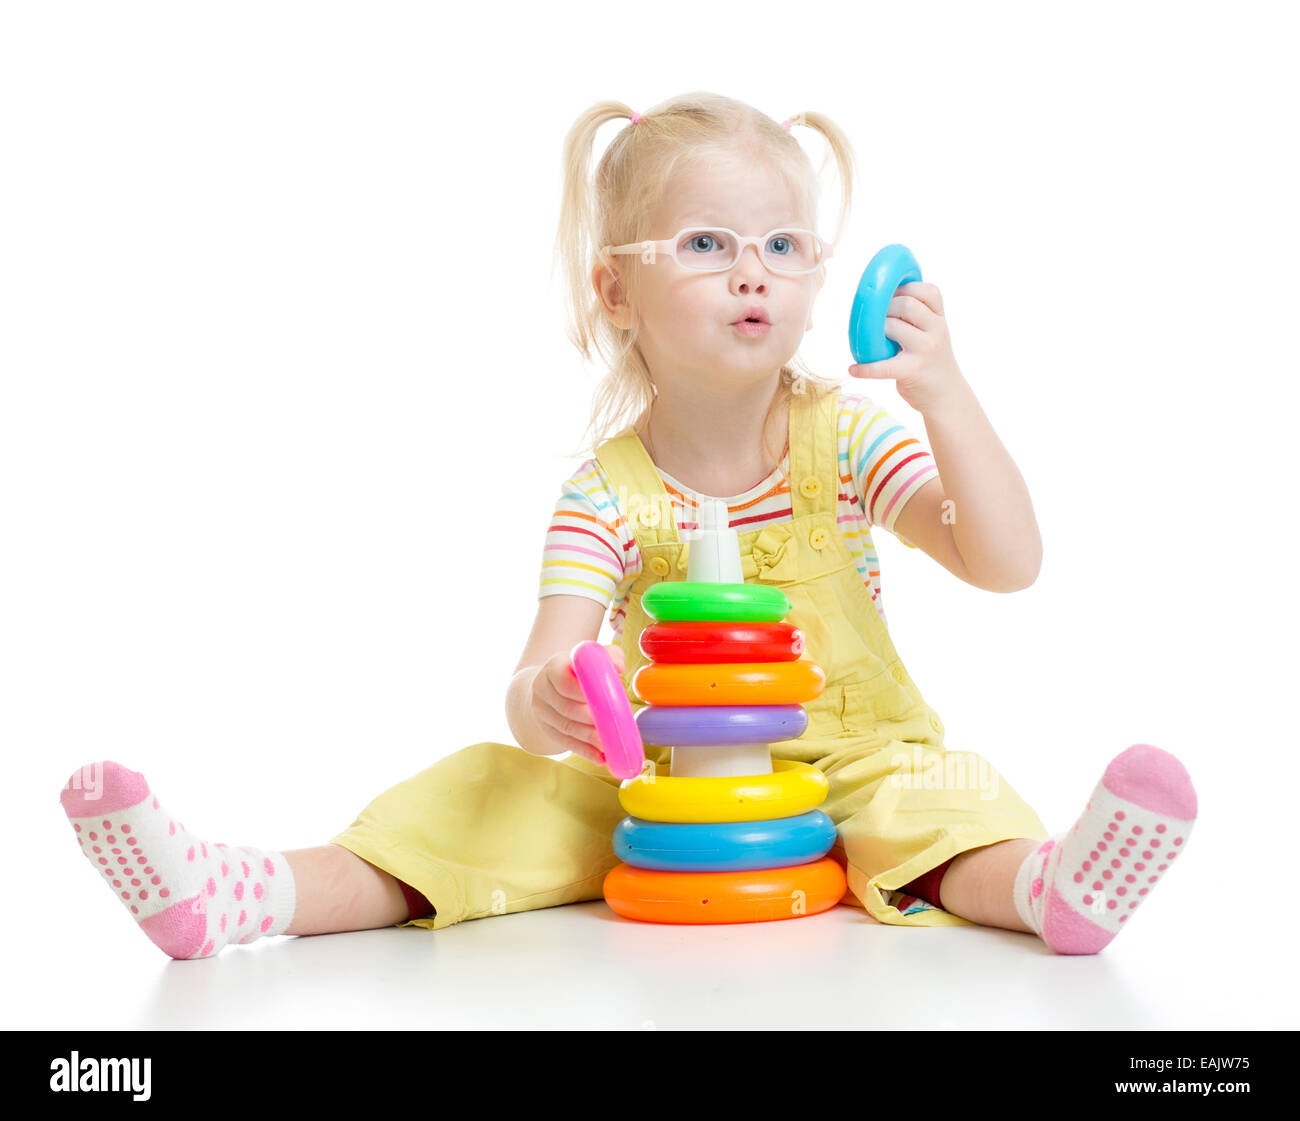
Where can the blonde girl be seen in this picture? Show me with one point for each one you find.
(692, 259)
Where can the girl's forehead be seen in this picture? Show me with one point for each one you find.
(731, 194)
(736, 214)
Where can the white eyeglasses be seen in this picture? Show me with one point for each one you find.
(713, 249)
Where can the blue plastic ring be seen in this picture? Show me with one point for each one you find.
(731, 846)
(891, 267)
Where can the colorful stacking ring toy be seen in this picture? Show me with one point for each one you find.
(723, 669)
(722, 897)
(720, 725)
(887, 270)
(721, 642)
(684, 600)
(792, 788)
(730, 846)
(607, 699)
(736, 683)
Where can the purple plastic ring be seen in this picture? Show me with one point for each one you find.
(719, 725)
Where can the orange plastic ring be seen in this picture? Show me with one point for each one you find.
(729, 683)
(759, 895)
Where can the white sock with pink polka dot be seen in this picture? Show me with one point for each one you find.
(1077, 890)
(189, 896)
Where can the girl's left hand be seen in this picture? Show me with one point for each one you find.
(924, 369)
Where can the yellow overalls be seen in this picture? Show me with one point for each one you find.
(493, 829)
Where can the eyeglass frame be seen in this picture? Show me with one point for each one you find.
(649, 249)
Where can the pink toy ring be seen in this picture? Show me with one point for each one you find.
(620, 739)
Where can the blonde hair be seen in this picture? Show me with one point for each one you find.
(615, 209)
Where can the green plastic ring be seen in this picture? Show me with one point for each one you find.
(686, 600)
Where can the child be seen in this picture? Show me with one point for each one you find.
(693, 265)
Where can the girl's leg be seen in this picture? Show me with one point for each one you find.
(192, 897)
(339, 891)
(977, 885)
(1078, 889)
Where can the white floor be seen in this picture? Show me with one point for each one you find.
(583, 966)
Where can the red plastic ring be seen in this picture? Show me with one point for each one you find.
(721, 642)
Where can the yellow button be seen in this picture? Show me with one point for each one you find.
(659, 566)
(899, 675)
(811, 487)
(936, 723)
(819, 539)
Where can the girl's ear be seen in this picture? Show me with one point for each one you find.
(609, 291)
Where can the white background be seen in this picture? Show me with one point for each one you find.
(287, 397)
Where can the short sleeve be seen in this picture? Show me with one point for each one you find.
(888, 463)
(583, 552)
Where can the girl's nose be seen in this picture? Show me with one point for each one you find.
(747, 269)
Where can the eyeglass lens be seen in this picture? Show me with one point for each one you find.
(784, 250)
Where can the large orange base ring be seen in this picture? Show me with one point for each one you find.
(722, 897)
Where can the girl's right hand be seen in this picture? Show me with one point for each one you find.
(560, 710)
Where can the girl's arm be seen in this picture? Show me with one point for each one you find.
(984, 509)
(549, 718)
(987, 504)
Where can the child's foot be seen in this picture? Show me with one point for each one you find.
(190, 897)
(1078, 889)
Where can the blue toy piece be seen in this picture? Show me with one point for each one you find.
(729, 846)
(891, 267)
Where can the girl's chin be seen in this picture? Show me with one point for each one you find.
(743, 375)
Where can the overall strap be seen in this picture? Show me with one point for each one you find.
(638, 489)
(814, 453)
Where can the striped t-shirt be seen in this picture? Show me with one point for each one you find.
(591, 550)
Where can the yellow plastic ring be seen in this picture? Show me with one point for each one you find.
(729, 683)
(792, 788)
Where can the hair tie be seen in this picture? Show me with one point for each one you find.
(786, 124)
(636, 117)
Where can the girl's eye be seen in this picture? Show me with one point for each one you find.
(781, 245)
(703, 243)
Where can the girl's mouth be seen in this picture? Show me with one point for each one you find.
(752, 328)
